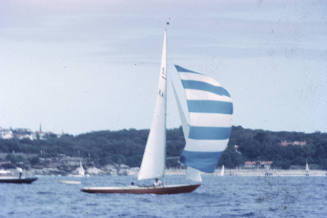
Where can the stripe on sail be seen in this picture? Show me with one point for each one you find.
(199, 85)
(193, 94)
(182, 69)
(205, 106)
(204, 161)
(206, 145)
(199, 77)
(209, 133)
(210, 119)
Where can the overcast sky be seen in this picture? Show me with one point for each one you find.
(79, 66)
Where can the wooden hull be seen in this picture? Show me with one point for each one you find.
(18, 181)
(170, 189)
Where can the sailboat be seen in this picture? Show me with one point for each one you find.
(18, 180)
(206, 128)
(307, 169)
(80, 173)
(80, 170)
(222, 171)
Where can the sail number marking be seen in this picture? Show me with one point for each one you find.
(161, 93)
(163, 74)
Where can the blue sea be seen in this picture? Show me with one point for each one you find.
(229, 196)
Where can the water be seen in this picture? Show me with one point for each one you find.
(228, 196)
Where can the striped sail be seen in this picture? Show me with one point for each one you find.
(210, 110)
(191, 173)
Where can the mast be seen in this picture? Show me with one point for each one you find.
(153, 162)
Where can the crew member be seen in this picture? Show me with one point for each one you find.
(157, 182)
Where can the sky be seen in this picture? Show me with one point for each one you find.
(76, 66)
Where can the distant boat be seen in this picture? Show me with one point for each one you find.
(16, 179)
(80, 173)
(307, 169)
(206, 130)
(80, 170)
(27, 180)
(222, 171)
(71, 182)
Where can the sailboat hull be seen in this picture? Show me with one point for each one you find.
(170, 189)
(17, 180)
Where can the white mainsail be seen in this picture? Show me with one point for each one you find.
(153, 163)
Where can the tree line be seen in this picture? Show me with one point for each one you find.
(127, 146)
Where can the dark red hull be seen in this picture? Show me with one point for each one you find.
(177, 189)
(18, 181)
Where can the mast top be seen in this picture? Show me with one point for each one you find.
(167, 24)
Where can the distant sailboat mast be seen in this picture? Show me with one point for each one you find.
(307, 169)
(81, 171)
(222, 172)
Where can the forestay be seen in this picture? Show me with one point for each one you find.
(210, 110)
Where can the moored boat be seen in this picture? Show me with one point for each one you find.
(26, 180)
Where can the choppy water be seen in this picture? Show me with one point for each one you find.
(228, 196)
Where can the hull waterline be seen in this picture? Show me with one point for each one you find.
(171, 189)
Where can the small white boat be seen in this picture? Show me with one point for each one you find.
(70, 182)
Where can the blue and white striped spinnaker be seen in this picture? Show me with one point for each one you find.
(210, 110)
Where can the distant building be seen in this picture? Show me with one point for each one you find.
(298, 143)
(23, 133)
(6, 133)
(257, 164)
(250, 164)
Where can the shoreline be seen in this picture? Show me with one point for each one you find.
(255, 172)
(172, 171)
(271, 172)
